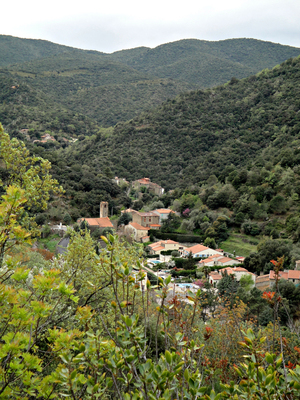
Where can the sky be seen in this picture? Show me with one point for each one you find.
(113, 25)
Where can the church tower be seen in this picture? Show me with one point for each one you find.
(103, 209)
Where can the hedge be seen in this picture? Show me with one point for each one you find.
(185, 272)
(166, 252)
(152, 256)
(178, 237)
(181, 262)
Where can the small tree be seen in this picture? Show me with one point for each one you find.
(124, 219)
(67, 218)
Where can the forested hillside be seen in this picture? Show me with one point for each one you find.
(243, 123)
(205, 63)
(110, 88)
(234, 148)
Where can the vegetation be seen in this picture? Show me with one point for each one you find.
(87, 326)
(67, 91)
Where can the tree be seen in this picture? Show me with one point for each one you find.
(171, 223)
(124, 219)
(228, 287)
(210, 242)
(27, 184)
(67, 218)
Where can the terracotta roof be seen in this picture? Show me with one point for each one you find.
(100, 222)
(232, 270)
(215, 277)
(129, 210)
(262, 278)
(155, 245)
(146, 237)
(148, 214)
(197, 248)
(154, 225)
(293, 274)
(158, 248)
(240, 258)
(164, 211)
(225, 259)
(138, 226)
(282, 274)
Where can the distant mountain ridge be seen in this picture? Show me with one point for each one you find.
(110, 88)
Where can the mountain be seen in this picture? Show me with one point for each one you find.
(205, 63)
(185, 140)
(109, 88)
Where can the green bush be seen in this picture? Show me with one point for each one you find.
(185, 272)
(175, 236)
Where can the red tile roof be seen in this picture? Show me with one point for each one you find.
(100, 222)
(282, 274)
(197, 248)
(262, 278)
(215, 277)
(138, 226)
(225, 259)
(293, 274)
(164, 211)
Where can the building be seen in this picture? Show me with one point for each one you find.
(265, 282)
(165, 245)
(150, 186)
(120, 181)
(201, 251)
(97, 223)
(136, 230)
(146, 219)
(214, 278)
(103, 209)
(218, 260)
(238, 272)
(163, 213)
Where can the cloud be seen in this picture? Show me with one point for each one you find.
(115, 25)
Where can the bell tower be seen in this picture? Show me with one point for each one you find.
(103, 209)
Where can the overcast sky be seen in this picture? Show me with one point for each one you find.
(112, 25)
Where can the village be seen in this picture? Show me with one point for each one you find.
(209, 264)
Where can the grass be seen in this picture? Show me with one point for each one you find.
(49, 243)
(243, 245)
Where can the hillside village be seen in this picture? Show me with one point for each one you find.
(211, 264)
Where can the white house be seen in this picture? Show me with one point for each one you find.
(201, 251)
(163, 213)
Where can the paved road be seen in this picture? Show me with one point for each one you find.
(62, 245)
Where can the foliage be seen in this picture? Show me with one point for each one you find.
(124, 219)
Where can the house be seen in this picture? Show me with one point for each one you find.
(97, 223)
(151, 186)
(146, 219)
(120, 181)
(238, 272)
(165, 245)
(201, 251)
(294, 276)
(264, 282)
(136, 230)
(163, 213)
(216, 259)
(214, 278)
